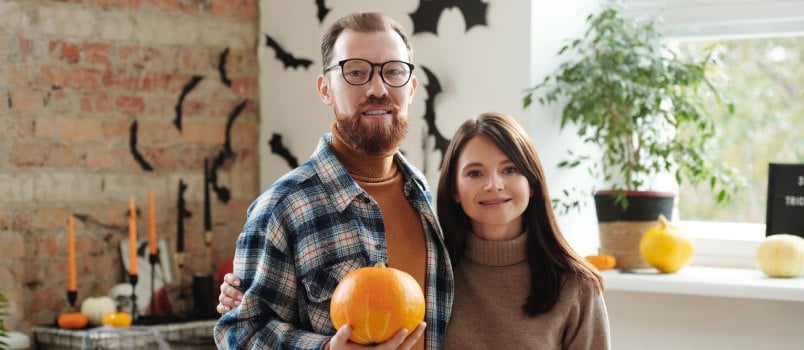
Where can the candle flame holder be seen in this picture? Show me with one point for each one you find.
(72, 296)
(153, 259)
(132, 278)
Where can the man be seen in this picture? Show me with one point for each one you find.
(357, 201)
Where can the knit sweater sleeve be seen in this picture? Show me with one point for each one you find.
(589, 326)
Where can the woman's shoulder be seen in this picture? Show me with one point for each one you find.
(585, 285)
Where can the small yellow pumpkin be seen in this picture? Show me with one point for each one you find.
(781, 255)
(602, 261)
(666, 247)
(118, 319)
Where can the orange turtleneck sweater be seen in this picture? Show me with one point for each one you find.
(380, 177)
(404, 235)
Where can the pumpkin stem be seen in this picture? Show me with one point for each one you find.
(662, 220)
(380, 264)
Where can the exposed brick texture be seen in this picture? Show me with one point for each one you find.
(74, 76)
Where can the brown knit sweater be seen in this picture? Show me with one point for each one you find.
(380, 177)
(491, 284)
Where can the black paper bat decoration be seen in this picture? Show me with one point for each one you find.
(181, 213)
(425, 18)
(322, 10)
(222, 68)
(279, 149)
(287, 58)
(226, 153)
(132, 142)
(189, 86)
(89, 220)
(433, 88)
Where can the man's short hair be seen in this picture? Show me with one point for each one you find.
(364, 22)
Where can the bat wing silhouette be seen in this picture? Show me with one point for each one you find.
(222, 68)
(188, 86)
(426, 17)
(322, 10)
(433, 88)
(279, 149)
(132, 142)
(287, 58)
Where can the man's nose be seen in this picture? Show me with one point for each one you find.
(376, 85)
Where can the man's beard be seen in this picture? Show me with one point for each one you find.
(373, 138)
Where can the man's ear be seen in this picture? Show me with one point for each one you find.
(414, 83)
(324, 90)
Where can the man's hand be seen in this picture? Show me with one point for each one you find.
(230, 296)
(400, 341)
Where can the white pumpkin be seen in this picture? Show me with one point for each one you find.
(781, 255)
(95, 307)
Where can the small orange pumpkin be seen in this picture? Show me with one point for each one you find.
(602, 261)
(377, 302)
(72, 320)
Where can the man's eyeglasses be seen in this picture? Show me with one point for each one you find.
(357, 71)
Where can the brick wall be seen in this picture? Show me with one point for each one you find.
(74, 76)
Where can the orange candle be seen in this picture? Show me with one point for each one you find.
(151, 224)
(132, 237)
(71, 283)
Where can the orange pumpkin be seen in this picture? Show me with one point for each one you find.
(377, 302)
(602, 261)
(72, 320)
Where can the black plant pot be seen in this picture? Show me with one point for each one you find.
(642, 206)
(622, 229)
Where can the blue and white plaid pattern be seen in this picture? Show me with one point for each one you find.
(302, 236)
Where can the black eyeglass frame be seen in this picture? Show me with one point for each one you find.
(341, 63)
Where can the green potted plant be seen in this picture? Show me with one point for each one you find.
(634, 99)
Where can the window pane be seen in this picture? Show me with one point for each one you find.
(764, 78)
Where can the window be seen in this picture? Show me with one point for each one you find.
(764, 79)
(760, 44)
(725, 235)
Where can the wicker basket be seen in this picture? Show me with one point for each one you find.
(621, 239)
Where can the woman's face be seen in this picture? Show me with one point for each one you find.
(491, 190)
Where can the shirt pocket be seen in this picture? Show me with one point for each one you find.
(320, 283)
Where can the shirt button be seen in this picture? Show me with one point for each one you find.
(378, 246)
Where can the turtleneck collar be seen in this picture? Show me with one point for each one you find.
(496, 253)
(362, 167)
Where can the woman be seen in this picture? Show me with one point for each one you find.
(518, 283)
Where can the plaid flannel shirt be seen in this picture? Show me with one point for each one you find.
(302, 236)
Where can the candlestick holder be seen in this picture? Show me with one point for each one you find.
(72, 296)
(153, 259)
(133, 280)
(208, 244)
(179, 260)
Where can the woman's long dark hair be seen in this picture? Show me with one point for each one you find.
(549, 255)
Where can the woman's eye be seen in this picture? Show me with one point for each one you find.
(473, 173)
(510, 170)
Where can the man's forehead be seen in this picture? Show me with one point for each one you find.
(363, 44)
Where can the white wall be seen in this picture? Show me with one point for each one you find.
(484, 69)
(666, 321)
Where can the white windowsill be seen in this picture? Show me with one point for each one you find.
(708, 281)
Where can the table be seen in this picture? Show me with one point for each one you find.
(177, 336)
